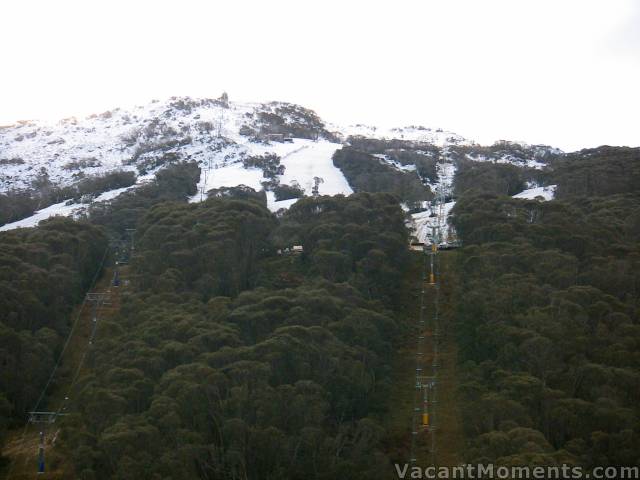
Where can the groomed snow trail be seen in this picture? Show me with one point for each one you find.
(315, 161)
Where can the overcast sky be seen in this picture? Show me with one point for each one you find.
(559, 72)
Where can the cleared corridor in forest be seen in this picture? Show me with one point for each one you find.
(448, 434)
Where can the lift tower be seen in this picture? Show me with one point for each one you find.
(44, 419)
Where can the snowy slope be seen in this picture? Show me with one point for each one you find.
(206, 131)
(194, 129)
(303, 160)
(315, 160)
(219, 135)
(102, 143)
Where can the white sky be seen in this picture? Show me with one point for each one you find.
(560, 72)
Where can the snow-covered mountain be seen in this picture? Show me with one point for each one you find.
(232, 142)
(207, 131)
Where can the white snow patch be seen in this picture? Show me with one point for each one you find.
(393, 163)
(111, 194)
(544, 193)
(230, 176)
(274, 205)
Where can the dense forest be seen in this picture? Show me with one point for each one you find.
(597, 172)
(174, 183)
(367, 172)
(547, 310)
(221, 326)
(218, 333)
(44, 272)
(495, 178)
(234, 355)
